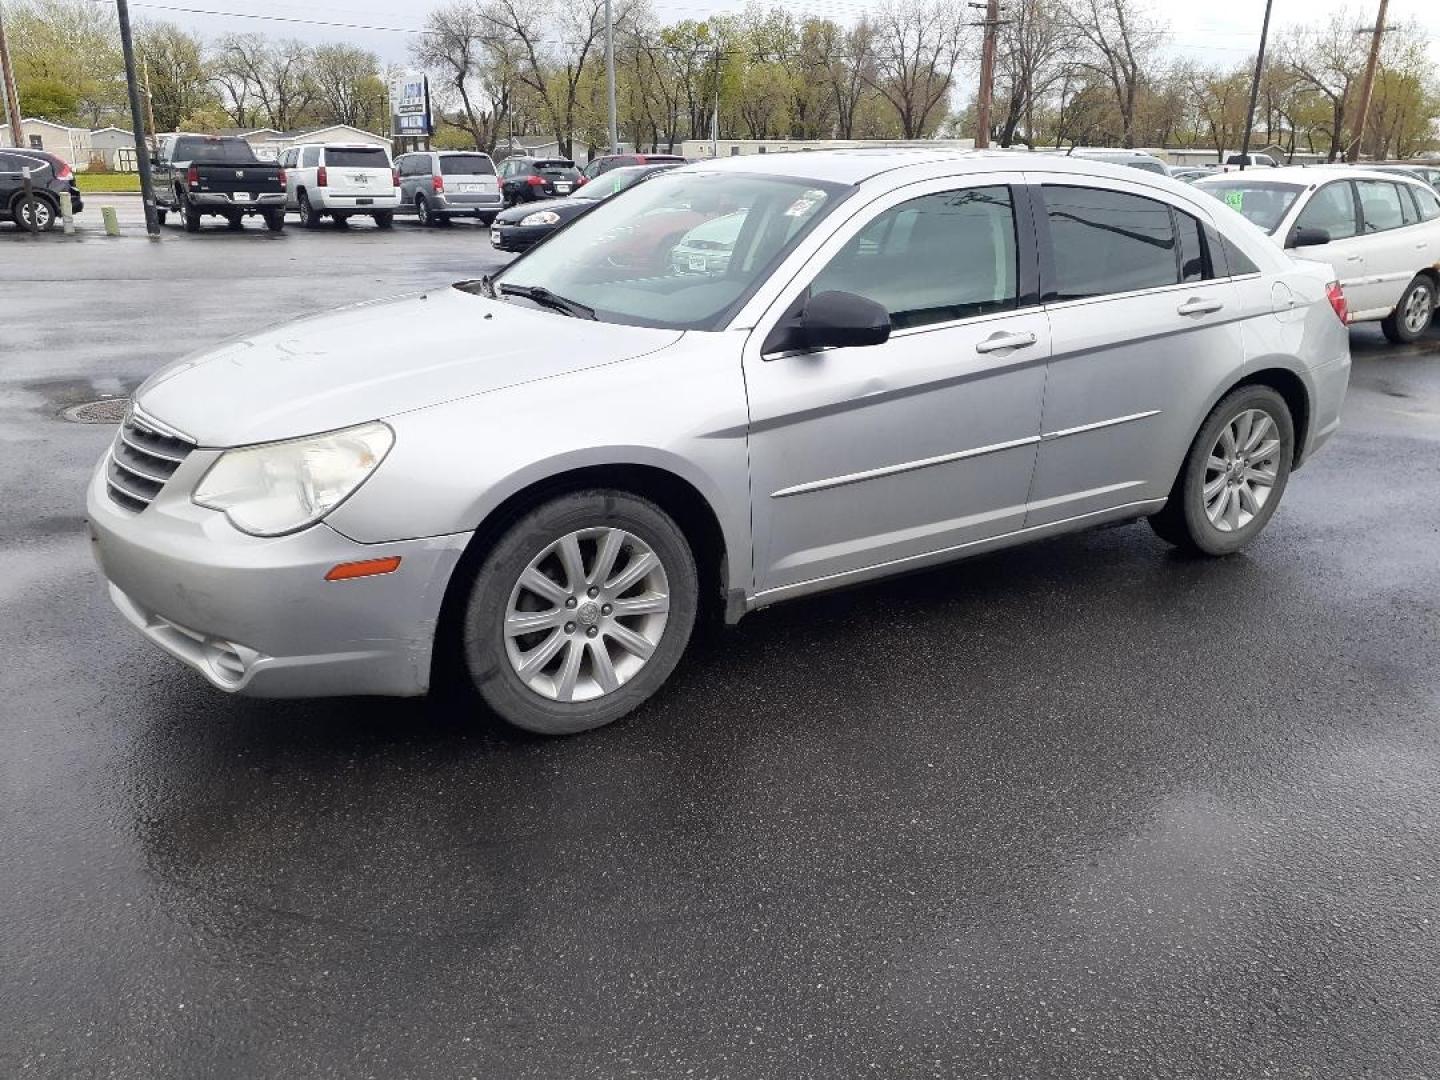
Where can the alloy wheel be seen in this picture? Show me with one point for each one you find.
(1242, 470)
(586, 614)
(1418, 309)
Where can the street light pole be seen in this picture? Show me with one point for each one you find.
(610, 76)
(1255, 87)
(137, 121)
(7, 77)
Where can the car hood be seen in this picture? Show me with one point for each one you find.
(376, 360)
(568, 209)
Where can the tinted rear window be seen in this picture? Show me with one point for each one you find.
(558, 167)
(225, 151)
(368, 158)
(1109, 242)
(466, 165)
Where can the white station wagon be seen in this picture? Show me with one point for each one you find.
(1379, 231)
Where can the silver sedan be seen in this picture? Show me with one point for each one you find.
(907, 357)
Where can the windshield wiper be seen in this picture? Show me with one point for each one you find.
(545, 298)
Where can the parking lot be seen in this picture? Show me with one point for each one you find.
(1085, 809)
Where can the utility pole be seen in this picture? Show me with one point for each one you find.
(610, 76)
(7, 76)
(1255, 87)
(986, 95)
(149, 102)
(137, 122)
(1367, 85)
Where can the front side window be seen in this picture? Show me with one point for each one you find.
(1380, 205)
(1332, 208)
(1108, 242)
(933, 259)
(682, 250)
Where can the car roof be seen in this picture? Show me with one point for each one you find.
(1315, 174)
(452, 153)
(857, 165)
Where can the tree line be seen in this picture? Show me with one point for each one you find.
(1068, 72)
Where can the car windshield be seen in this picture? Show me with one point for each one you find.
(466, 165)
(682, 250)
(1261, 202)
(612, 182)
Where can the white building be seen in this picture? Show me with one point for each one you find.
(71, 143)
(697, 149)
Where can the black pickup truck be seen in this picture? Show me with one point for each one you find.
(216, 174)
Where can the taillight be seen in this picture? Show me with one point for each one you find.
(192, 176)
(395, 177)
(581, 180)
(281, 177)
(65, 171)
(321, 178)
(1336, 295)
(535, 181)
(437, 183)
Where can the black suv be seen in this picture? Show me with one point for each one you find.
(50, 176)
(525, 179)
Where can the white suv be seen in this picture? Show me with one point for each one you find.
(340, 181)
(1379, 232)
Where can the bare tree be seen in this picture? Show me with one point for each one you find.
(179, 77)
(917, 44)
(274, 74)
(1325, 60)
(348, 89)
(476, 61)
(1121, 40)
(1035, 42)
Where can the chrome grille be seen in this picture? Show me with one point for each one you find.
(144, 455)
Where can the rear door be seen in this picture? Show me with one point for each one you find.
(1396, 244)
(470, 179)
(1143, 332)
(358, 172)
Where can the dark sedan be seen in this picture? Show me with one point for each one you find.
(523, 227)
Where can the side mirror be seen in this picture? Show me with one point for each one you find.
(830, 320)
(1309, 237)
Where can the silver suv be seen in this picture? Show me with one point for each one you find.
(437, 185)
(907, 357)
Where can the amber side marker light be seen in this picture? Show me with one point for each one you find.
(365, 568)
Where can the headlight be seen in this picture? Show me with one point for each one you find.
(541, 217)
(280, 487)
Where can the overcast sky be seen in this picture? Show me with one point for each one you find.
(1221, 31)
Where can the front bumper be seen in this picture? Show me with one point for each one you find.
(256, 616)
(518, 237)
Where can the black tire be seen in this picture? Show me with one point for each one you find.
(486, 219)
(160, 215)
(422, 211)
(36, 216)
(484, 642)
(342, 221)
(274, 220)
(1401, 330)
(1184, 521)
(384, 219)
(189, 213)
(235, 221)
(309, 216)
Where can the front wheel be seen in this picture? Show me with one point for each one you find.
(1413, 314)
(384, 219)
(161, 215)
(235, 221)
(1233, 476)
(580, 612)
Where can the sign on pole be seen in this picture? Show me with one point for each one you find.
(410, 106)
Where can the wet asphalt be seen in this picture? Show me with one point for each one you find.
(1084, 809)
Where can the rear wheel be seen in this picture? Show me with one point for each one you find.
(1413, 314)
(384, 219)
(190, 213)
(274, 220)
(161, 215)
(422, 210)
(342, 221)
(35, 214)
(580, 612)
(1233, 476)
(309, 216)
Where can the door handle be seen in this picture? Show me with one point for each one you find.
(1354, 258)
(999, 342)
(1199, 305)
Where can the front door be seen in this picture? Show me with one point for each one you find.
(868, 459)
(1333, 208)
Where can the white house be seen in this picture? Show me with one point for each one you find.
(113, 148)
(71, 143)
(270, 144)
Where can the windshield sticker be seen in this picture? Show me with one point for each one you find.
(805, 203)
(1235, 200)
